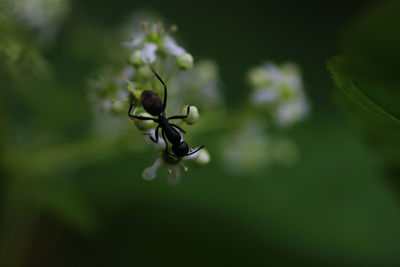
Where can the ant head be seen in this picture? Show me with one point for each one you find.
(151, 102)
(181, 149)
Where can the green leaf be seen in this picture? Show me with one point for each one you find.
(343, 81)
(367, 77)
(380, 126)
(372, 49)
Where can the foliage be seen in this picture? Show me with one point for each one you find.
(367, 78)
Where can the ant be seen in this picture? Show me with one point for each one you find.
(152, 103)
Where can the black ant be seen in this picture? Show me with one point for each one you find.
(151, 102)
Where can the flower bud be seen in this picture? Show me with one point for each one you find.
(193, 115)
(257, 77)
(144, 125)
(136, 58)
(137, 94)
(203, 158)
(143, 73)
(134, 97)
(185, 61)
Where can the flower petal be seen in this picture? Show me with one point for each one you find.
(290, 112)
(135, 42)
(160, 145)
(264, 96)
(151, 172)
(171, 46)
(149, 53)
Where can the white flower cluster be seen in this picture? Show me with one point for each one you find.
(251, 143)
(279, 89)
(42, 15)
(155, 47)
(279, 94)
(172, 164)
(152, 42)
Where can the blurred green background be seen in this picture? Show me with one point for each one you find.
(68, 199)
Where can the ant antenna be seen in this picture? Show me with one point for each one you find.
(191, 153)
(165, 87)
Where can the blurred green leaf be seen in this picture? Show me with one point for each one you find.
(380, 126)
(372, 48)
(367, 77)
(349, 89)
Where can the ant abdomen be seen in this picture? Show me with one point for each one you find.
(181, 149)
(172, 135)
(151, 102)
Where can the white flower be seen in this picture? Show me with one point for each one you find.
(257, 77)
(173, 167)
(185, 61)
(171, 46)
(151, 172)
(290, 112)
(273, 73)
(40, 14)
(160, 145)
(193, 115)
(280, 90)
(196, 155)
(291, 80)
(172, 164)
(144, 125)
(136, 58)
(138, 40)
(148, 53)
(201, 158)
(264, 95)
(145, 51)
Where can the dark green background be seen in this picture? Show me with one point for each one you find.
(334, 207)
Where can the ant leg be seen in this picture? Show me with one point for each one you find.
(139, 117)
(155, 140)
(166, 144)
(182, 116)
(191, 153)
(165, 140)
(130, 109)
(165, 88)
(142, 118)
(177, 127)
